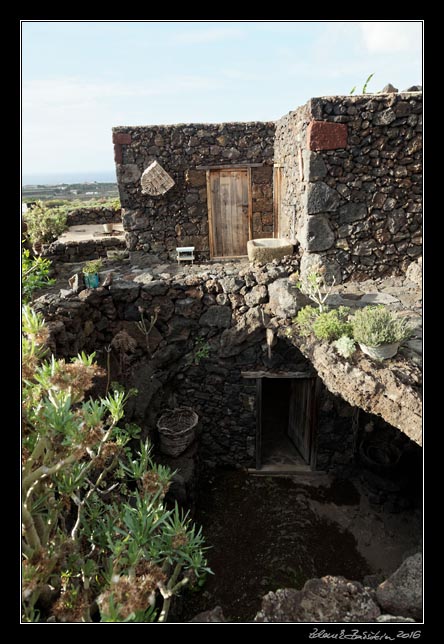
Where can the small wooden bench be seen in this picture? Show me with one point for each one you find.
(185, 254)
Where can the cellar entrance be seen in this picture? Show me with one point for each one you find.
(286, 424)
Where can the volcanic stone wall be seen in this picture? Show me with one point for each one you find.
(160, 223)
(351, 182)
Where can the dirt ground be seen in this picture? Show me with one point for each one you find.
(276, 532)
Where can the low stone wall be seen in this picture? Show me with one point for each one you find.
(83, 250)
(97, 215)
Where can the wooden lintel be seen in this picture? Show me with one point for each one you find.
(238, 166)
(278, 374)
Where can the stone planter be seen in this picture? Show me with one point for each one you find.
(262, 251)
(383, 352)
(108, 228)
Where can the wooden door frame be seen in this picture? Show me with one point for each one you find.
(316, 388)
(210, 207)
(277, 197)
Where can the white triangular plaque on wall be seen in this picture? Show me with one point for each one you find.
(155, 180)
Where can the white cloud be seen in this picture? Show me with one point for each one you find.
(210, 35)
(386, 37)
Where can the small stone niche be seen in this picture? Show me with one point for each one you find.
(155, 180)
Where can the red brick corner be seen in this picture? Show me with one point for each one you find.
(121, 138)
(117, 153)
(323, 135)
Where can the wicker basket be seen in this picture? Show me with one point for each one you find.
(177, 430)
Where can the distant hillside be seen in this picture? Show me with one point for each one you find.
(69, 191)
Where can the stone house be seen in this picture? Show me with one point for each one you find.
(340, 177)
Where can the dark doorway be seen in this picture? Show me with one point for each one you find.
(286, 423)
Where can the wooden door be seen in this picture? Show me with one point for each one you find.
(300, 417)
(229, 208)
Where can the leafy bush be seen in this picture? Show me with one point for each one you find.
(35, 274)
(376, 325)
(93, 266)
(305, 319)
(44, 224)
(345, 346)
(98, 541)
(332, 324)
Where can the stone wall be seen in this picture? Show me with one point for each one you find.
(222, 315)
(208, 329)
(158, 224)
(81, 251)
(352, 182)
(98, 215)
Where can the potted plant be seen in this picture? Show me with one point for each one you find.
(108, 228)
(378, 332)
(91, 272)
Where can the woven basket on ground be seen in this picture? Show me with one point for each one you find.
(177, 430)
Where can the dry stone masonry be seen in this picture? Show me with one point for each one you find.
(347, 182)
(160, 223)
(352, 182)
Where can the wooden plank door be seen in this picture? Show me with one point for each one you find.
(300, 417)
(229, 207)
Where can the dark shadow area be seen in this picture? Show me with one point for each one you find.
(265, 535)
(277, 447)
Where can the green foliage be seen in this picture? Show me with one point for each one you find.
(345, 346)
(96, 531)
(305, 320)
(332, 324)
(35, 274)
(44, 224)
(65, 206)
(315, 286)
(364, 87)
(376, 325)
(201, 350)
(93, 266)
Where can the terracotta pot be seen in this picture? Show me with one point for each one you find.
(108, 228)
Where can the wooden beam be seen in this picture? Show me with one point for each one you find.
(241, 166)
(210, 214)
(250, 204)
(258, 423)
(278, 374)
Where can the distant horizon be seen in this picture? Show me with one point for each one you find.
(76, 176)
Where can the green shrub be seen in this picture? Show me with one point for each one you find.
(305, 319)
(44, 224)
(345, 346)
(93, 266)
(96, 534)
(35, 274)
(332, 324)
(376, 325)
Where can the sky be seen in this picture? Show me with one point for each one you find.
(79, 79)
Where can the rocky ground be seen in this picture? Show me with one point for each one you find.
(269, 533)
